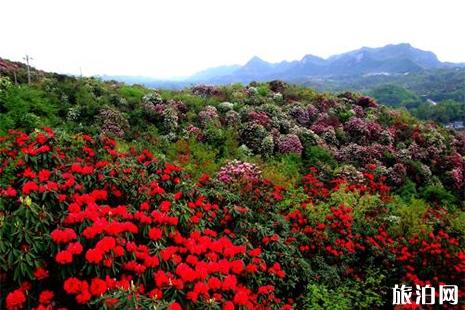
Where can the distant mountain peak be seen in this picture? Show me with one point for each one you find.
(311, 59)
(397, 58)
(256, 60)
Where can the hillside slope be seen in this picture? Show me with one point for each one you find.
(262, 196)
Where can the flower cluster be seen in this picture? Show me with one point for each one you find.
(132, 234)
(208, 116)
(289, 143)
(274, 118)
(114, 123)
(238, 171)
(206, 90)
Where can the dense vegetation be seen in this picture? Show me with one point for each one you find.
(261, 196)
(415, 91)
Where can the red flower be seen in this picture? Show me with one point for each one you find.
(228, 306)
(46, 297)
(229, 283)
(241, 297)
(63, 235)
(175, 306)
(10, 192)
(15, 299)
(106, 244)
(255, 252)
(75, 248)
(165, 206)
(267, 289)
(186, 273)
(83, 297)
(94, 256)
(44, 175)
(98, 287)
(155, 233)
(40, 273)
(72, 285)
(29, 187)
(64, 257)
(204, 178)
(237, 266)
(156, 293)
(41, 138)
(177, 195)
(28, 173)
(214, 283)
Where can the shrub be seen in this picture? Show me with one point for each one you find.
(152, 98)
(224, 107)
(208, 117)
(239, 172)
(300, 115)
(231, 119)
(252, 135)
(114, 123)
(316, 156)
(289, 144)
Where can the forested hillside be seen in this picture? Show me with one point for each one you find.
(264, 196)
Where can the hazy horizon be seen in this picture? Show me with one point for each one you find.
(178, 38)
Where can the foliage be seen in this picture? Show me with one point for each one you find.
(267, 196)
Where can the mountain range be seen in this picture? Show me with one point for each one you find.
(393, 59)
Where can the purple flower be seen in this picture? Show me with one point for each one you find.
(359, 112)
(194, 132)
(397, 174)
(312, 113)
(356, 127)
(206, 90)
(290, 144)
(114, 123)
(300, 115)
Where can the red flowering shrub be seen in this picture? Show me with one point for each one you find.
(83, 225)
(92, 222)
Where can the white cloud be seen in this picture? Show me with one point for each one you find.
(177, 37)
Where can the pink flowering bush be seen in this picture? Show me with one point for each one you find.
(238, 171)
(208, 116)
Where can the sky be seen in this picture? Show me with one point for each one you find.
(171, 38)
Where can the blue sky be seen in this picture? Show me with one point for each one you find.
(176, 38)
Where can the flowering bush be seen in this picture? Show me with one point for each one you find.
(208, 116)
(231, 118)
(90, 237)
(300, 114)
(366, 102)
(260, 118)
(114, 123)
(83, 224)
(238, 171)
(152, 98)
(206, 90)
(88, 222)
(357, 128)
(289, 144)
(252, 136)
(225, 106)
